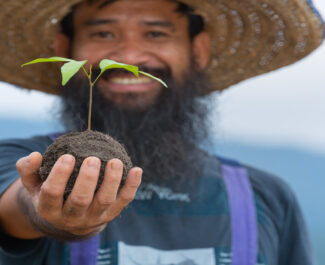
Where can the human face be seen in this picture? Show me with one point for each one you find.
(147, 33)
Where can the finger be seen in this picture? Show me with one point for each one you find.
(82, 193)
(107, 192)
(127, 193)
(27, 168)
(52, 190)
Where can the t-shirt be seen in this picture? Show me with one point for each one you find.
(166, 226)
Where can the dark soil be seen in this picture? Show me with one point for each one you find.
(82, 145)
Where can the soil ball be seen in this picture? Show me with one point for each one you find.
(82, 145)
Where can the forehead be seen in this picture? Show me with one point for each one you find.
(128, 9)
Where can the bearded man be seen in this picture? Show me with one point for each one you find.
(191, 207)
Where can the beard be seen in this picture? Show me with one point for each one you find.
(161, 139)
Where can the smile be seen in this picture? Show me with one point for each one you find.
(130, 80)
(126, 83)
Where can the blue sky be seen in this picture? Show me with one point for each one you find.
(285, 107)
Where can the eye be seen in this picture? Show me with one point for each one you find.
(156, 34)
(103, 34)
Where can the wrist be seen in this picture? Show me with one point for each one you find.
(44, 228)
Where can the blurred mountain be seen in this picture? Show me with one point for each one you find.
(303, 170)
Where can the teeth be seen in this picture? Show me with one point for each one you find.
(130, 81)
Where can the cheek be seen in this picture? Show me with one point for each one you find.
(87, 51)
(178, 59)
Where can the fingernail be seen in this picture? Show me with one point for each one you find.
(139, 175)
(116, 165)
(93, 162)
(67, 159)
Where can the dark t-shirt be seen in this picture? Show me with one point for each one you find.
(186, 225)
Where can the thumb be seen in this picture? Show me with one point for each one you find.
(27, 168)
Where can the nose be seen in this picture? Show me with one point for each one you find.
(130, 51)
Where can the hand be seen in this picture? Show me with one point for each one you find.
(84, 212)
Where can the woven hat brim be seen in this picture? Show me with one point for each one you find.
(248, 38)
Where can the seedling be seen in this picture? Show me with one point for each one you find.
(72, 67)
(88, 143)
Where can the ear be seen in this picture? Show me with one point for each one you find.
(201, 49)
(61, 45)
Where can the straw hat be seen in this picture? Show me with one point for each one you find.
(249, 38)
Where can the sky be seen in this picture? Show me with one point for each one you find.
(282, 108)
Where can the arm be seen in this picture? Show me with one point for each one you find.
(295, 246)
(13, 221)
(31, 209)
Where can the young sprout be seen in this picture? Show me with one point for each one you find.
(71, 67)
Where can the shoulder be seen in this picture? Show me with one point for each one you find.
(276, 203)
(270, 187)
(13, 149)
(264, 184)
(36, 143)
(272, 194)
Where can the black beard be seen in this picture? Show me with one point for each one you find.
(161, 140)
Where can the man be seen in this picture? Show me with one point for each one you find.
(180, 214)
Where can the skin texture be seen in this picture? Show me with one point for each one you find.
(29, 209)
(82, 214)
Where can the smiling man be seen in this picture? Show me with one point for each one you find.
(191, 207)
(150, 34)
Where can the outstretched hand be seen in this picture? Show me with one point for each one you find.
(84, 212)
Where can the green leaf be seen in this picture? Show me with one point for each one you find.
(47, 60)
(109, 64)
(69, 69)
(153, 77)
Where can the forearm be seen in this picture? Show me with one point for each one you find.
(12, 219)
(19, 219)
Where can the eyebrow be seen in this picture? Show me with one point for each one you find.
(160, 23)
(98, 21)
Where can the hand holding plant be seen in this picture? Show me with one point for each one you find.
(76, 143)
(87, 178)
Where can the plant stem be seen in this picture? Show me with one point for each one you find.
(83, 68)
(90, 105)
(91, 84)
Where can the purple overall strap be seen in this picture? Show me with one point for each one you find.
(82, 252)
(244, 232)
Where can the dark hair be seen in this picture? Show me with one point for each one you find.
(196, 22)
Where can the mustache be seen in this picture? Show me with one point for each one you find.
(162, 73)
